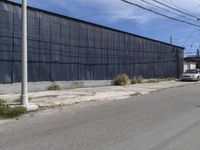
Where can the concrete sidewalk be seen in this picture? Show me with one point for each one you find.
(49, 99)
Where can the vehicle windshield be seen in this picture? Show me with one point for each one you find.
(192, 71)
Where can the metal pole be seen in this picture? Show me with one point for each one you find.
(170, 39)
(24, 72)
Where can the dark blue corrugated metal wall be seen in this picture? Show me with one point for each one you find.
(61, 49)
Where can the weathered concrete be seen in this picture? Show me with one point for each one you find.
(106, 93)
(165, 120)
(29, 107)
(41, 86)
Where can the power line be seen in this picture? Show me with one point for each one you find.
(172, 2)
(196, 2)
(190, 35)
(168, 2)
(194, 41)
(175, 9)
(175, 5)
(167, 10)
(163, 15)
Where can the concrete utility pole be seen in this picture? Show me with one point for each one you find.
(24, 67)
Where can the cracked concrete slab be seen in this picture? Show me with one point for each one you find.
(106, 93)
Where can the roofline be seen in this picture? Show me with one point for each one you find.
(90, 23)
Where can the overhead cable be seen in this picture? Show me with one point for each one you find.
(181, 11)
(163, 15)
(167, 10)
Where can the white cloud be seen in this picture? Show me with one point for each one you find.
(116, 10)
(110, 10)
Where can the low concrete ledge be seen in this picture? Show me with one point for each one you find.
(41, 86)
(30, 107)
(51, 99)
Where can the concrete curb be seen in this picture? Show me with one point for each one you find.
(54, 99)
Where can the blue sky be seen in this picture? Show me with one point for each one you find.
(119, 15)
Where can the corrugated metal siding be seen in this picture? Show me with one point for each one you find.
(61, 49)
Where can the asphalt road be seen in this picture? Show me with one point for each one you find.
(164, 120)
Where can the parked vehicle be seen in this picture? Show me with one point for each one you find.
(191, 75)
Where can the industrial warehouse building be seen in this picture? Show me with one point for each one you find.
(61, 48)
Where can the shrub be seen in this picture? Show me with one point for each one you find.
(54, 86)
(137, 80)
(121, 79)
(8, 112)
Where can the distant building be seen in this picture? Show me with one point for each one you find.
(192, 62)
(189, 65)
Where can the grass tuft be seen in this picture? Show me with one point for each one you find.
(157, 80)
(54, 87)
(170, 79)
(121, 79)
(8, 112)
(2, 103)
(137, 80)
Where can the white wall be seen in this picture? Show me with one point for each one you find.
(189, 66)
